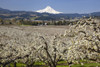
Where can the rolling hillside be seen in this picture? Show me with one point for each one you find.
(7, 14)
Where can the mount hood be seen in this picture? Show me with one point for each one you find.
(50, 10)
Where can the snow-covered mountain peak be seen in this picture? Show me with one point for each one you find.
(48, 9)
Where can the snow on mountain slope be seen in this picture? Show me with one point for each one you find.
(48, 9)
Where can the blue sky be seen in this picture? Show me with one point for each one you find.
(65, 6)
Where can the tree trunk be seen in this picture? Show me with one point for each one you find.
(14, 64)
(0, 65)
(9, 65)
(52, 65)
(30, 65)
(4, 65)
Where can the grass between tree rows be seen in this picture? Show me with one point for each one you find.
(61, 64)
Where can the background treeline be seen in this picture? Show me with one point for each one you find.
(70, 21)
(29, 22)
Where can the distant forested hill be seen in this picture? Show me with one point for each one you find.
(7, 14)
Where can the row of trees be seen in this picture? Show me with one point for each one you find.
(80, 42)
(29, 22)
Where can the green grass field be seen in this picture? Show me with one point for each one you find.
(60, 64)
